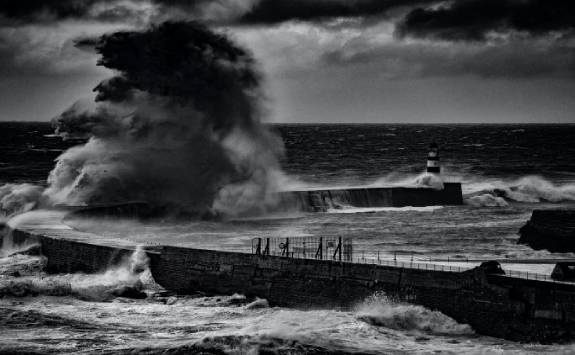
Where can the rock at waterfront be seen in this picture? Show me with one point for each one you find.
(553, 230)
(129, 292)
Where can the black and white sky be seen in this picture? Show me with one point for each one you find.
(328, 61)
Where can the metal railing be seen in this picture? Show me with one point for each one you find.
(410, 264)
(334, 249)
(341, 250)
(320, 248)
(530, 276)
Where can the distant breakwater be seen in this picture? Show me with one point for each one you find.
(322, 200)
(318, 200)
(493, 304)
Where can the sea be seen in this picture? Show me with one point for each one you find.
(506, 172)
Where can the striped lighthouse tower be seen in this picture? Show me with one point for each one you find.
(433, 159)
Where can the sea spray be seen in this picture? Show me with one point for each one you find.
(380, 310)
(258, 303)
(9, 247)
(178, 126)
(486, 200)
(434, 181)
(484, 191)
(127, 279)
(19, 198)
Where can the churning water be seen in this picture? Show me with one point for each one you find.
(507, 171)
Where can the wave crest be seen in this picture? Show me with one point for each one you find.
(381, 311)
(528, 189)
(19, 198)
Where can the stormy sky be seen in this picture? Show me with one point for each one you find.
(381, 61)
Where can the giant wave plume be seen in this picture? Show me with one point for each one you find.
(178, 126)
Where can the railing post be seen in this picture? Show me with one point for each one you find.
(267, 248)
(337, 251)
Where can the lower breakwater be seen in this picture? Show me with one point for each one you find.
(491, 303)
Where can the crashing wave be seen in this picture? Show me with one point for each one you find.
(128, 279)
(486, 200)
(528, 189)
(382, 311)
(19, 198)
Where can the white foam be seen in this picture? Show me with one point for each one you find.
(486, 200)
(531, 189)
(384, 209)
(39, 219)
(381, 311)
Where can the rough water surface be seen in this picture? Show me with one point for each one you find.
(506, 170)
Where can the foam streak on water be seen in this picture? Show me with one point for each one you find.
(69, 313)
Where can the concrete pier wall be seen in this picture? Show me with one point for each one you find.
(324, 199)
(69, 256)
(516, 309)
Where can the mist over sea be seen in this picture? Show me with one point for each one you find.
(506, 171)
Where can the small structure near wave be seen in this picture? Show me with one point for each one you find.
(564, 271)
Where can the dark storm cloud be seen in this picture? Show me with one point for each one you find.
(516, 60)
(218, 11)
(13, 12)
(53, 10)
(17, 9)
(34, 51)
(274, 11)
(474, 19)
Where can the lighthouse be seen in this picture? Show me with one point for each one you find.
(433, 159)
